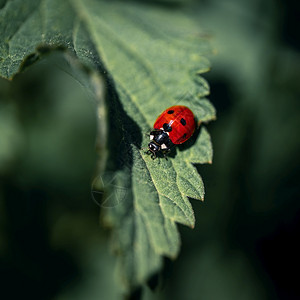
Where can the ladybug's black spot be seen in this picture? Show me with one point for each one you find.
(167, 127)
(170, 112)
(184, 136)
(183, 122)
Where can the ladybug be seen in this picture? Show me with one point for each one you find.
(173, 126)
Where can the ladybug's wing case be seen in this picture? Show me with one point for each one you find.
(181, 119)
(165, 117)
(183, 127)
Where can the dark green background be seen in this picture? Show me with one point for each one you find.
(244, 245)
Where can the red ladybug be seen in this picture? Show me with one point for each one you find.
(173, 127)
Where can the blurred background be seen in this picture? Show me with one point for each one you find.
(244, 245)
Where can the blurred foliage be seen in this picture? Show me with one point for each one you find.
(48, 156)
(244, 245)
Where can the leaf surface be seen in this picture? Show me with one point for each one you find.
(153, 59)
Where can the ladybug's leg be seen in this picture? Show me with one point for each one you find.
(165, 152)
(153, 155)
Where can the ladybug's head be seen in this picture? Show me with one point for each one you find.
(153, 147)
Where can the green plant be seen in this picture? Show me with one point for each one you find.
(147, 59)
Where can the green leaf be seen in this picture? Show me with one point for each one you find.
(153, 59)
